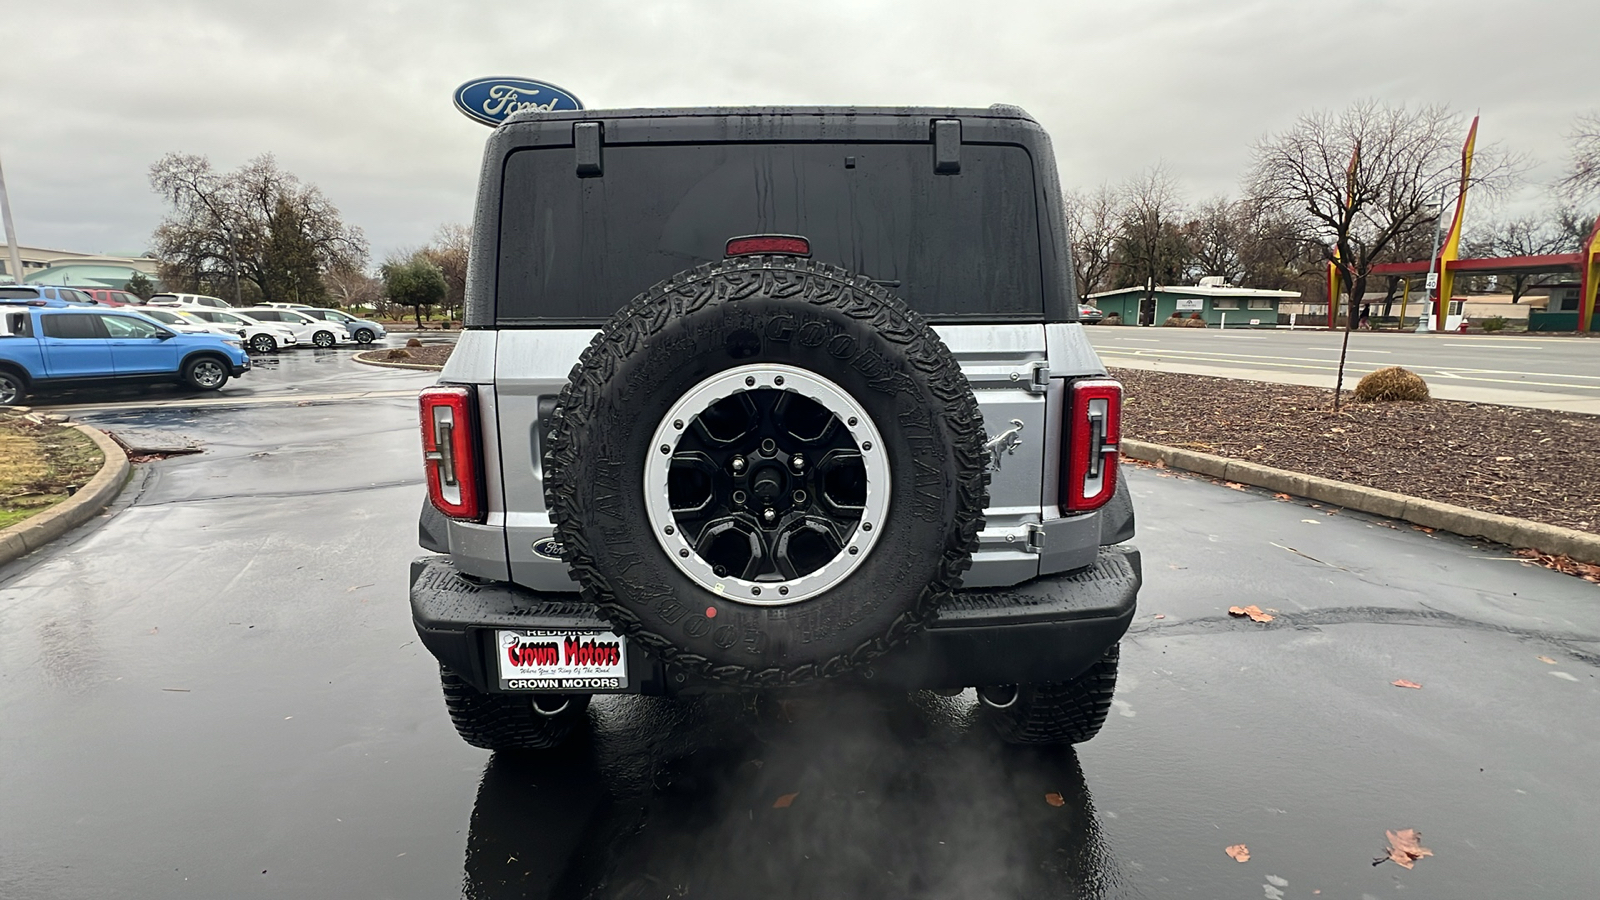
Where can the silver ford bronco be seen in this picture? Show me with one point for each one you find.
(749, 398)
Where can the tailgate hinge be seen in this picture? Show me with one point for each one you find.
(1038, 377)
(1035, 538)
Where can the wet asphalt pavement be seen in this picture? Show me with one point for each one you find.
(215, 691)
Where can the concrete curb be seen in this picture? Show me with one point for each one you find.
(34, 532)
(361, 358)
(1580, 545)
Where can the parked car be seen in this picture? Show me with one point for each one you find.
(1090, 315)
(262, 337)
(765, 470)
(365, 331)
(307, 329)
(106, 297)
(52, 346)
(48, 294)
(183, 323)
(188, 300)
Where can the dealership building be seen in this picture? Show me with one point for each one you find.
(74, 269)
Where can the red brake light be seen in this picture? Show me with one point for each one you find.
(1094, 427)
(450, 451)
(769, 243)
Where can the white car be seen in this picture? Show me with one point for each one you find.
(262, 337)
(311, 331)
(188, 300)
(175, 319)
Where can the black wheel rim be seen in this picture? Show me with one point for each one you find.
(769, 485)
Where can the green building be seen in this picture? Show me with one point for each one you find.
(1220, 305)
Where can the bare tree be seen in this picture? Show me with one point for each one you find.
(1524, 236)
(1151, 248)
(1092, 221)
(1218, 236)
(351, 287)
(1357, 183)
(257, 226)
(1582, 181)
(449, 251)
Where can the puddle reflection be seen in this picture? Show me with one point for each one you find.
(893, 798)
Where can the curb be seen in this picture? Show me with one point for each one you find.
(34, 532)
(360, 358)
(1580, 545)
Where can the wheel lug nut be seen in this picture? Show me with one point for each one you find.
(768, 446)
(738, 464)
(685, 551)
(768, 515)
(799, 462)
(783, 590)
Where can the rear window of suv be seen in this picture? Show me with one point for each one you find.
(574, 250)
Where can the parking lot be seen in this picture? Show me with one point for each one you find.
(214, 690)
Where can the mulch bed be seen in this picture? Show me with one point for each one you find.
(426, 355)
(41, 464)
(1529, 463)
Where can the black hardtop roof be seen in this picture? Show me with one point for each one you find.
(996, 111)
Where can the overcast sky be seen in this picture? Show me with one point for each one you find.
(356, 97)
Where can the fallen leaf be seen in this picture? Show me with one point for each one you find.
(1311, 521)
(1543, 659)
(1282, 497)
(1253, 611)
(1235, 485)
(1163, 616)
(784, 801)
(1239, 852)
(1406, 684)
(1405, 848)
(1055, 799)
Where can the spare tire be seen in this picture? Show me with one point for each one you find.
(767, 470)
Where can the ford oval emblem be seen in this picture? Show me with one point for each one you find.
(549, 548)
(492, 100)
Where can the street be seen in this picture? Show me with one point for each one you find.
(214, 690)
(1516, 370)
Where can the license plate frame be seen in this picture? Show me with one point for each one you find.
(560, 661)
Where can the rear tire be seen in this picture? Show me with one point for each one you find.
(207, 373)
(507, 721)
(1065, 713)
(13, 388)
(264, 343)
(365, 336)
(324, 339)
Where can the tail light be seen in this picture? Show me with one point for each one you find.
(450, 452)
(1093, 428)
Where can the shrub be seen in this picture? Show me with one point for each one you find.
(1494, 323)
(1112, 319)
(414, 342)
(1392, 383)
(398, 353)
(1173, 321)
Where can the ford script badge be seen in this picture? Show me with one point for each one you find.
(549, 548)
(492, 100)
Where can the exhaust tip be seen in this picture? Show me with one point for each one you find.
(998, 696)
(551, 704)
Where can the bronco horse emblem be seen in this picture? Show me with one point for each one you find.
(1004, 444)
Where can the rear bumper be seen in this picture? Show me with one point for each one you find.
(1049, 629)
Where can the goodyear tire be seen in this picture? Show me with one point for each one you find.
(767, 471)
(1067, 713)
(509, 721)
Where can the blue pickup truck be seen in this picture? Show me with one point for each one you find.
(42, 346)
